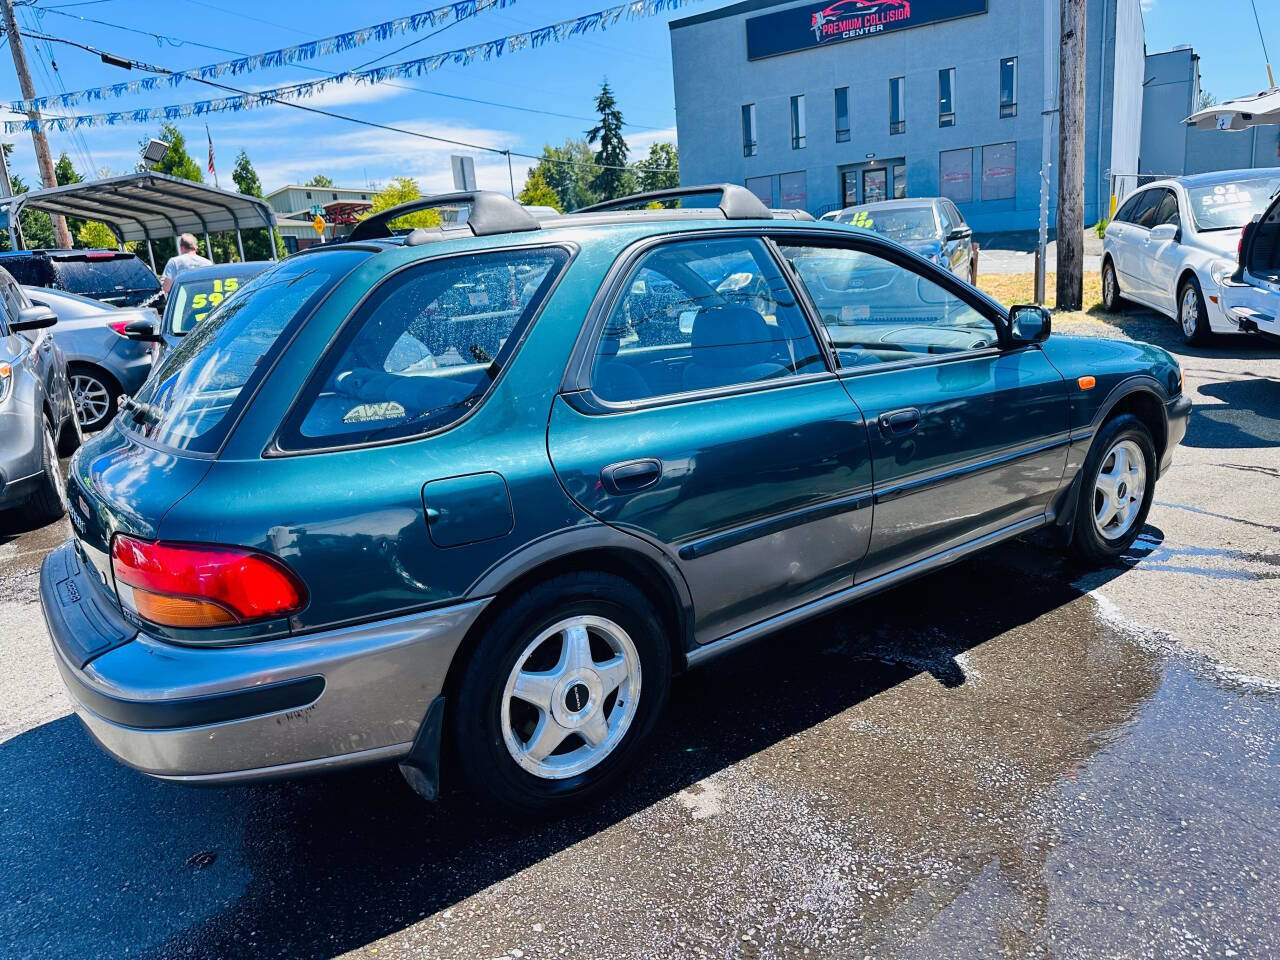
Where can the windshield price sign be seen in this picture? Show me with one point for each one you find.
(833, 21)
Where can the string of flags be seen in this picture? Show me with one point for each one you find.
(299, 53)
(488, 50)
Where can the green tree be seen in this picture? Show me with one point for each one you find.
(613, 179)
(64, 172)
(176, 162)
(94, 234)
(319, 180)
(568, 170)
(538, 193)
(257, 242)
(37, 228)
(660, 170)
(402, 190)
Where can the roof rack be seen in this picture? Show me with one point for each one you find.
(491, 213)
(736, 203)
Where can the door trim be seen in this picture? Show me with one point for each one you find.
(700, 655)
(714, 543)
(916, 484)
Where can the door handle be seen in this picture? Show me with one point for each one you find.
(900, 423)
(631, 476)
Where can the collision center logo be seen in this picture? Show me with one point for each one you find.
(849, 19)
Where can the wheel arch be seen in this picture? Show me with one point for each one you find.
(79, 363)
(1144, 398)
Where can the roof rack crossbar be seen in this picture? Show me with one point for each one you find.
(736, 203)
(491, 213)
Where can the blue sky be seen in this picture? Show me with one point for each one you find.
(287, 145)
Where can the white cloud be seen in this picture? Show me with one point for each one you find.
(1147, 5)
(638, 143)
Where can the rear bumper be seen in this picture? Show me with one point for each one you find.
(1177, 414)
(257, 711)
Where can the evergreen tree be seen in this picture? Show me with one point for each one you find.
(613, 179)
(37, 228)
(64, 172)
(176, 162)
(257, 241)
(319, 180)
(661, 169)
(568, 170)
(538, 193)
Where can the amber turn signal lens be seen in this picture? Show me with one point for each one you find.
(180, 611)
(1087, 383)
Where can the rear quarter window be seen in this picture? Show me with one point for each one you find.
(423, 350)
(192, 399)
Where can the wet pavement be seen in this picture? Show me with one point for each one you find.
(1013, 758)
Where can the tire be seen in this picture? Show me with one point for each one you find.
(1192, 317)
(493, 730)
(1112, 302)
(49, 502)
(1099, 543)
(95, 395)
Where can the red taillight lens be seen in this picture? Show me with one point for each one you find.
(185, 585)
(119, 325)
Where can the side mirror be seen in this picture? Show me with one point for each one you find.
(959, 233)
(142, 330)
(1164, 232)
(1029, 324)
(33, 318)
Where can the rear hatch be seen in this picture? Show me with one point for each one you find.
(109, 276)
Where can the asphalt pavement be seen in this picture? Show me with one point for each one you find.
(1015, 757)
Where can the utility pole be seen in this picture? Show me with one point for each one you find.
(37, 135)
(1071, 110)
(1048, 116)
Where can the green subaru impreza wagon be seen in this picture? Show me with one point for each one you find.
(479, 491)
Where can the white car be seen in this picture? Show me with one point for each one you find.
(1173, 244)
(1252, 295)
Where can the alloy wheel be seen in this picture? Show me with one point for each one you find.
(571, 697)
(1190, 311)
(1119, 490)
(51, 452)
(1109, 288)
(92, 398)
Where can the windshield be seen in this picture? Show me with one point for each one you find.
(1229, 206)
(194, 395)
(911, 225)
(194, 299)
(123, 281)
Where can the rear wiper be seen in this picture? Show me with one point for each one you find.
(146, 412)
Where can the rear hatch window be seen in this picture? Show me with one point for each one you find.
(120, 279)
(194, 396)
(29, 270)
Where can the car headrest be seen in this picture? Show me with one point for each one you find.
(733, 336)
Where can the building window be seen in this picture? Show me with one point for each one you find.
(1009, 87)
(999, 171)
(793, 191)
(842, 114)
(748, 129)
(875, 185)
(797, 122)
(762, 187)
(946, 97)
(897, 108)
(849, 187)
(308, 194)
(955, 175)
(899, 181)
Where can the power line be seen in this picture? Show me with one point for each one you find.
(497, 151)
(1266, 56)
(180, 41)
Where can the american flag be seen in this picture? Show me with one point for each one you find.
(211, 170)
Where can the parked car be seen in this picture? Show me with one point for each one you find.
(199, 291)
(933, 228)
(489, 486)
(1173, 243)
(1251, 295)
(112, 276)
(105, 354)
(37, 415)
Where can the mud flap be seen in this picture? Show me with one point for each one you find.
(421, 768)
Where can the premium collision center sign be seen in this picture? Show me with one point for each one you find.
(832, 21)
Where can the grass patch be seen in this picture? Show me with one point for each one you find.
(1011, 288)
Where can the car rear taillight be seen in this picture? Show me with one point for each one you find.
(119, 326)
(190, 585)
(101, 255)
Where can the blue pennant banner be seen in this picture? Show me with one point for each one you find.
(488, 50)
(311, 50)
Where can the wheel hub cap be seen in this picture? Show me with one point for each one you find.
(571, 697)
(1119, 490)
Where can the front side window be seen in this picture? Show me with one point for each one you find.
(196, 392)
(701, 315)
(424, 348)
(1167, 211)
(748, 129)
(1008, 87)
(797, 122)
(877, 311)
(842, 114)
(1144, 215)
(946, 97)
(897, 105)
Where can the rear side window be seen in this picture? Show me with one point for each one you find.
(194, 396)
(32, 271)
(701, 315)
(121, 280)
(423, 349)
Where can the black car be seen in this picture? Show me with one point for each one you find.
(111, 276)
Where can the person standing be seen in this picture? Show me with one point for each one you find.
(187, 259)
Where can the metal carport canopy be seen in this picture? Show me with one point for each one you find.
(147, 206)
